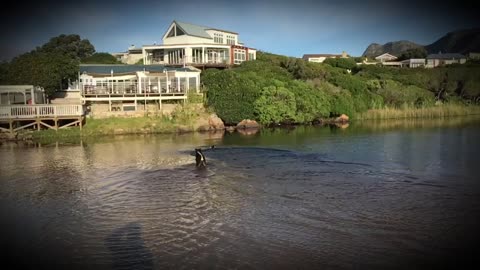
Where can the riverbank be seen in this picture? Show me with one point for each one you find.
(444, 110)
(189, 119)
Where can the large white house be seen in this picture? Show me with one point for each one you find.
(199, 46)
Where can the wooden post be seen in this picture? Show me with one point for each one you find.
(10, 122)
(80, 120)
(56, 123)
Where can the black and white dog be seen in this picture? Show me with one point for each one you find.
(200, 160)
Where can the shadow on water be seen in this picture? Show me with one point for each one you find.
(128, 248)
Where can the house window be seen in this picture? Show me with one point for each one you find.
(230, 40)
(239, 56)
(251, 56)
(218, 38)
(179, 31)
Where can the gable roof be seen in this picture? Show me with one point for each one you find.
(196, 30)
(193, 30)
(446, 56)
(387, 55)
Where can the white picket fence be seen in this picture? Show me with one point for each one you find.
(40, 111)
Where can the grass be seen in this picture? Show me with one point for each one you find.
(181, 120)
(445, 110)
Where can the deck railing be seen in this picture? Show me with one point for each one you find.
(144, 90)
(40, 111)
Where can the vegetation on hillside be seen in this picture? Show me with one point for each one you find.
(101, 58)
(276, 89)
(50, 66)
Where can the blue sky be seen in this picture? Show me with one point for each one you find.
(290, 28)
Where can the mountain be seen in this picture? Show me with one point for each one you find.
(462, 41)
(396, 48)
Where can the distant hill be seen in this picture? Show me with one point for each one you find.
(462, 41)
(396, 48)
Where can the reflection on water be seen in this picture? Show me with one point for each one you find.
(128, 248)
(372, 195)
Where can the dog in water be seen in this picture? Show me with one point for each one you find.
(200, 158)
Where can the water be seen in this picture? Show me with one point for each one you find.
(388, 195)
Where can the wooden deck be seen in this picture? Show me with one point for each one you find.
(52, 116)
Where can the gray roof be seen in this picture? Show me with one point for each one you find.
(445, 56)
(193, 30)
(197, 30)
(107, 69)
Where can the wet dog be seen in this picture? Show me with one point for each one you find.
(200, 160)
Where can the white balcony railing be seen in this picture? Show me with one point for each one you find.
(40, 111)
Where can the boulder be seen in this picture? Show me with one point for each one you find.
(230, 129)
(215, 122)
(247, 123)
(342, 118)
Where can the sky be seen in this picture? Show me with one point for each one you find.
(291, 28)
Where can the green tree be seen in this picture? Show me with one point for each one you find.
(101, 58)
(70, 45)
(50, 66)
(4, 72)
(50, 70)
(413, 53)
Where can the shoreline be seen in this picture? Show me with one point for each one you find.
(202, 123)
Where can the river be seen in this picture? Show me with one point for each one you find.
(397, 194)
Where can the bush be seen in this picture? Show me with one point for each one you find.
(312, 102)
(275, 105)
(342, 103)
(344, 63)
(231, 94)
(397, 95)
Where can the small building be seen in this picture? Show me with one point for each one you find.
(198, 46)
(132, 56)
(414, 63)
(21, 95)
(386, 57)
(24, 106)
(474, 55)
(128, 85)
(442, 59)
(319, 58)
